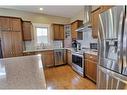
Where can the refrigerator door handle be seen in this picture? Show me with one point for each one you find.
(125, 45)
(120, 35)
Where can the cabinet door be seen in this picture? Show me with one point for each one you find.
(73, 32)
(5, 23)
(69, 57)
(94, 23)
(15, 24)
(27, 31)
(90, 69)
(75, 25)
(61, 35)
(6, 44)
(56, 30)
(48, 58)
(17, 44)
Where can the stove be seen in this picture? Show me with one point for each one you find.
(78, 62)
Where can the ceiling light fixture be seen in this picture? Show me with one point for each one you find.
(41, 9)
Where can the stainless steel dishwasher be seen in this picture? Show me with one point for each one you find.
(60, 56)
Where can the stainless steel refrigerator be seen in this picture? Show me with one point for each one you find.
(112, 66)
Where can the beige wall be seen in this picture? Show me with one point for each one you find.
(78, 16)
(35, 18)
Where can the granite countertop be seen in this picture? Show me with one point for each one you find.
(91, 52)
(22, 73)
(37, 50)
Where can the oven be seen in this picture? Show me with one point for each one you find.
(78, 63)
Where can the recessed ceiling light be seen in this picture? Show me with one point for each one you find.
(41, 9)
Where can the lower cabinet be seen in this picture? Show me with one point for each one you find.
(11, 43)
(48, 58)
(91, 67)
(69, 57)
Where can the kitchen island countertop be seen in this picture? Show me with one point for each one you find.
(24, 72)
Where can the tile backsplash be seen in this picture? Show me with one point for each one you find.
(87, 39)
(31, 45)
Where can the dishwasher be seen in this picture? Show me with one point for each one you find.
(60, 56)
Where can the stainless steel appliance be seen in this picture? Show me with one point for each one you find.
(76, 45)
(60, 56)
(93, 46)
(78, 62)
(112, 67)
(87, 20)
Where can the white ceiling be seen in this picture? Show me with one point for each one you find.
(63, 11)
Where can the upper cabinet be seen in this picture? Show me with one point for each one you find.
(75, 25)
(58, 32)
(95, 19)
(27, 30)
(5, 23)
(10, 24)
(16, 24)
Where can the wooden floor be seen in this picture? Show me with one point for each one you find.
(63, 77)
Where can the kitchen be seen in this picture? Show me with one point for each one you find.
(54, 49)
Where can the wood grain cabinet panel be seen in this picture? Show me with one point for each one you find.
(75, 25)
(91, 66)
(69, 57)
(16, 24)
(27, 30)
(17, 44)
(11, 36)
(5, 23)
(48, 58)
(6, 44)
(58, 31)
(61, 32)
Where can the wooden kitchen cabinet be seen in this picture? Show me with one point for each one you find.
(95, 19)
(15, 24)
(48, 58)
(17, 44)
(11, 36)
(69, 57)
(11, 44)
(10, 24)
(58, 31)
(6, 44)
(91, 66)
(75, 25)
(5, 23)
(26, 25)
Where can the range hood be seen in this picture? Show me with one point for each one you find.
(87, 25)
(84, 27)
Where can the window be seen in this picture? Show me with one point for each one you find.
(42, 34)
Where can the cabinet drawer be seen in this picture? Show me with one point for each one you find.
(91, 57)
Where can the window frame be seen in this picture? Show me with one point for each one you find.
(37, 25)
(37, 36)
